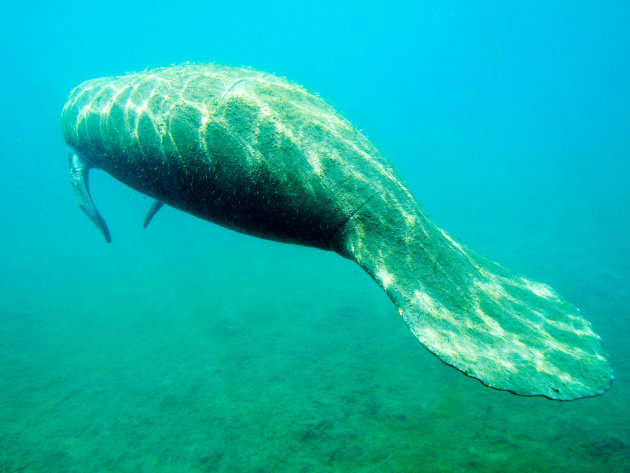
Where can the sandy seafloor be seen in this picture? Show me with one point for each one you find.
(191, 348)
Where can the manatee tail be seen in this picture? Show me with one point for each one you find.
(508, 332)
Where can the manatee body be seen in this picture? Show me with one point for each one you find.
(261, 155)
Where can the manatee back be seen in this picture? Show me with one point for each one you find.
(245, 149)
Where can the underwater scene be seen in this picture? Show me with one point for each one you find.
(379, 237)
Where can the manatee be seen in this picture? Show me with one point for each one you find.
(259, 154)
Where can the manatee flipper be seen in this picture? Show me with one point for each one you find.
(79, 179)
(155, 208)
(492, 324)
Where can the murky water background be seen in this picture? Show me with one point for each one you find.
(188, 347)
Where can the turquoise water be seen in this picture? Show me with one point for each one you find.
(188, 347)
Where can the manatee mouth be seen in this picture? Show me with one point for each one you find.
(79, 178)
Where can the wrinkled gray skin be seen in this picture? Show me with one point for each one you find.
(259, 154)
